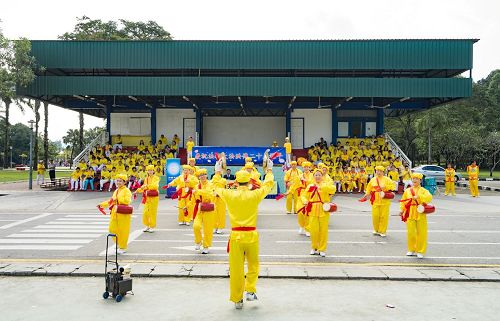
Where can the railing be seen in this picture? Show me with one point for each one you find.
(398, 152)
(101, 139)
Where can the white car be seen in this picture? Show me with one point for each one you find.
(434, 171)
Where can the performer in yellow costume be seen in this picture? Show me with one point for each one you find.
(40, 173)
(220, 206)
(416, 223)
(302, 217)
(473, 172)
(449, 180)
(315, 195)
(288, 150)
(292, 183)
(380, 205)
(204, 211)
(242, 205)
(362, 178)
(149, 190)
(185, 184)
(119, 223)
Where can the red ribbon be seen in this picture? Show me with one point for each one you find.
(175, 195)
(279, 196)
(101, 210)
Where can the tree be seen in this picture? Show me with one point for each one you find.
(90, 29)
(71, 139)
(46, 133)
(16, 69)
(80, 133)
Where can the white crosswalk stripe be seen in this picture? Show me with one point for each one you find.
(68, 233)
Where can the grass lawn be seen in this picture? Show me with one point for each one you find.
(8, 175)
(483, 173)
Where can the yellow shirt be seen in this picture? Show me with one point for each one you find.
(449, 175)
(204, 192)
(324, 192)
(370, 170)
(105, 174)
(292, 179)
(386, 185)
(288, 148)
(218, 181)
(40, 169)
(423, 196)
(473, 172)
(394, 175)
(121, 196)
(189, 146)
(76, 174)
(151, 183)
(243, 203)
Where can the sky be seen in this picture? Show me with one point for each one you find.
(263, 20)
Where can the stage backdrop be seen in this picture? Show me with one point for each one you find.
(205, 155)
(243, 131)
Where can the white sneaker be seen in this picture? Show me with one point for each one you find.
(322, 254)
(382, 234)
(301, 231)
(151, 230)
(187, 223)
(251, 296)
(313, 252)
(308, 234)
(375, 233)
(197, 246)
(146, 230)
(239, 305)
(420, 256)
(122, 251)
(218, 231)
(288, 212)
(410, 253)
(205, 250)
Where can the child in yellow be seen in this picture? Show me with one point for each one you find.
(362, 178)
(346, 180)
(288, 150)
(119, 224)
(242, 205)
(105, 176)
(75, 178)
(305, 179)
(220, 206)
(416, 224)
(473, 172)
(89, 179)
(185, 184)
(204, 193)
(315, 195)
(292, 183)
(150, 199)
(394, 176)
(189, 147)
(338, 177)
(380, 206)
(406, 175)
(449, 180)
(40, 173)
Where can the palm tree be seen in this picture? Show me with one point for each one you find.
(72, 139)
(46, 132)
(80, 137)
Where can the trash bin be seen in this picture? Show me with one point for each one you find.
(430, 184)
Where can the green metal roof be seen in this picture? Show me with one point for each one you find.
(311, 54)
(252, 86)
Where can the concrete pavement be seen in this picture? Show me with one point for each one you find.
(201, 299)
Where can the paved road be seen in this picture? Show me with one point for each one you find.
(61, 225)
(184, 299)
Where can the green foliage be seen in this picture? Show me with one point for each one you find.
(96, 29)
(460, 131)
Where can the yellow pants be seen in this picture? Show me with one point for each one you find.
(417, 234)
(150, 211)
(180, 217)
(119, 224)
(289, 198)
(449, 188)
(243, 245)
(474, 190)
(318, 227)
(362, 187)
(220, 213)
(380, 217)
(205, 221)
(302, 218)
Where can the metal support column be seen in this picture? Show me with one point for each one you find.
(153, 124)
(288, 124)
(109, 110)
(199, 128)
(380, 121)
(335, 126)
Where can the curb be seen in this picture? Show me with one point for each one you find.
(480, 187)
(379, 273)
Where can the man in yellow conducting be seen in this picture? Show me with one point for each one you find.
(416, 223)
(292, 183)
(473, 172)
(149, 190)
(288, 150)
(242, 205)
(315, 195)
(449, 180)
(204, 212)
(380, 202)
(121, 213)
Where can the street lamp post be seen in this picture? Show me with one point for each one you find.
(31, 122)
(10, 156)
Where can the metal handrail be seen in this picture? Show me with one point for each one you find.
(397, 151)
(84, 154)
